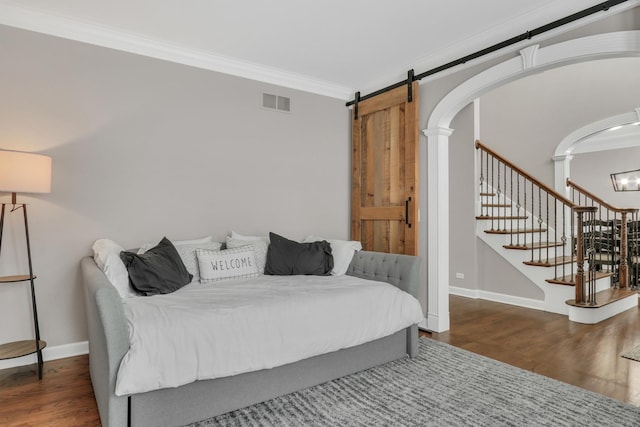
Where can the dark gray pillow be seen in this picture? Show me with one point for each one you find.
(159, 270)
(287, 257)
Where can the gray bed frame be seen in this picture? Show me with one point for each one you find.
(109, 341)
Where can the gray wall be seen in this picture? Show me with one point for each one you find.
(462, 257)
(496, 275)
(144, 148)
(595, 168)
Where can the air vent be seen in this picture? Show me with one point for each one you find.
(276, 102)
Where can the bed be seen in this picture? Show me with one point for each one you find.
(109, 343)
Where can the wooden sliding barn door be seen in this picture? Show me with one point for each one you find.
(384, 198)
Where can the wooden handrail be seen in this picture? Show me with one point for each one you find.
(598, 199)
(563, 199)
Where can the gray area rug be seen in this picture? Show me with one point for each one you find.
(633, 354)
(442, 386)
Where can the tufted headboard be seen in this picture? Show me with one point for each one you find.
(402, 271)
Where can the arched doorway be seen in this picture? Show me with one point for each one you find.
(563, 154)
(532, 59)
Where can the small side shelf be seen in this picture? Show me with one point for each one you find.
(14, 349)
(20, 348)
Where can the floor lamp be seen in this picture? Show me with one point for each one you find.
(23, 173)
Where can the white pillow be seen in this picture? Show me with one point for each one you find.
(239, 236)
(146, 246)
(106, 254)
(342, 251)
(227, 264)
(189, 258)
(260, 247)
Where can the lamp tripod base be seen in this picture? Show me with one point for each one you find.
(23, 348)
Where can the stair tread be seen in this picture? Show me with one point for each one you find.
(550, 262)
(537, 245)
(501, 217)
(571, 280)
(488, 194)
(520, 231)
(605, 297)
(496, 205)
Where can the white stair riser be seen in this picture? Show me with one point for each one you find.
(596, 315)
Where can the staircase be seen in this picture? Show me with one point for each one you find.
(554, 241)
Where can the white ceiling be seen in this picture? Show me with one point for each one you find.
(331, 47)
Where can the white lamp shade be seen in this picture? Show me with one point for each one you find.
(24, 172)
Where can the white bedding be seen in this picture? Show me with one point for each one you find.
(205, 331)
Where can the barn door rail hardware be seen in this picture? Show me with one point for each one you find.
(527, 35)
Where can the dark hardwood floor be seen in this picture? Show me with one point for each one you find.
(584, 355)
(587, 356)
(64, 397)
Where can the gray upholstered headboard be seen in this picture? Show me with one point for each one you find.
(402, 271)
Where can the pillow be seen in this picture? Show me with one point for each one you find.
(239, 236)
(342, 251)
(229, 263)
(260, 246)
(158, 271)
(106, 254)
(190, 260)
(287, 257)
(146, 246)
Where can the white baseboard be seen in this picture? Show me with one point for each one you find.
(502, 298)
(49, 353)
(437, 323)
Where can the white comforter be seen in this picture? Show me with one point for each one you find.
(236, 326)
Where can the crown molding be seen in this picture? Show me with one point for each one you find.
(99, 35)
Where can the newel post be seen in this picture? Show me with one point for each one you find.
(623, 271)
(581, 297)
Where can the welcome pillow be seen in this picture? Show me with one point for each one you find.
(227, 264)
(260, 247)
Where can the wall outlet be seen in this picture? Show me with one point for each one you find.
(459, 275)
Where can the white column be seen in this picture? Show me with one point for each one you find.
(438, 228)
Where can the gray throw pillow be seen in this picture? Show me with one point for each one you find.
(287, 257)
(158, 271)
